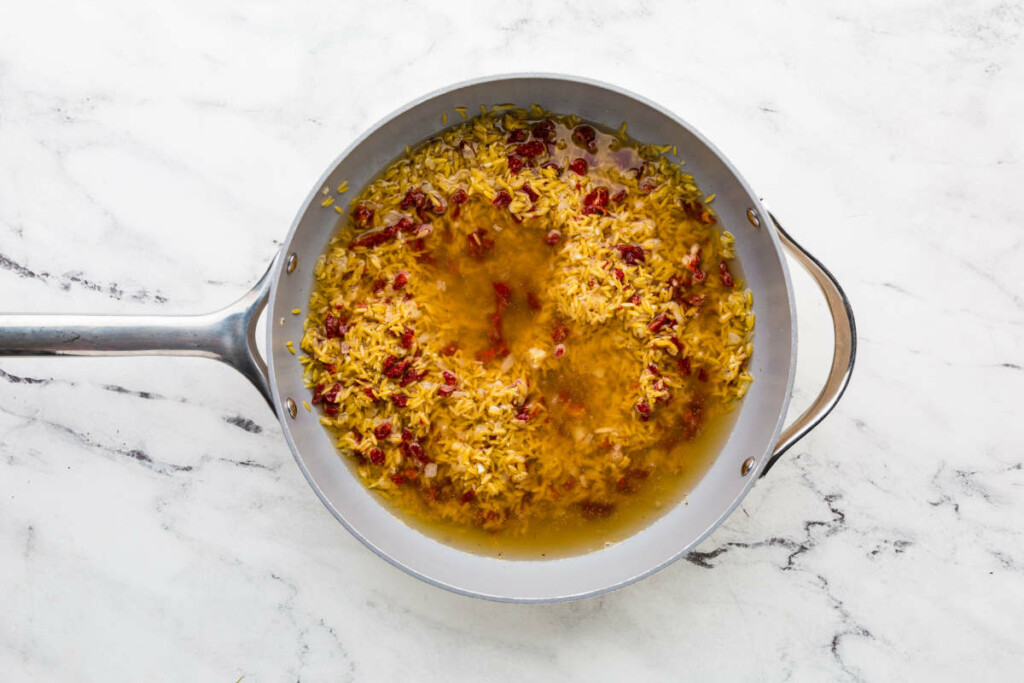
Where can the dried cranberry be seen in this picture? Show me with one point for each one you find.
(357, 436)
(560, 333)
(702, 375)
(631, 254)
(619, 274)
(695, 301)
(532, 301)
(725, 275)
(597, 197)
(467, 496)
(416, 451)
(653, 369)
(619, 196)
(407, 338)
(599, 210)
(376, 456)
(515, 163)
(683, 363)
(530, 192)
(517, 135)
(379, 285)
(331, 327)
(459, 197)
(551, 239)
(446, 390)
(369, 392)
(400, 400)
(411, 377)
(449, 378)
(502, 199)
(389, 362)
(502, 294)
(592, 509)
(531, 149)
(545, 130)
(413, 199)
(318, 395)
(382, 431)
(644, 410)
(578, 166)
(527, 412)
(331, 409)
(399, 479)
(584, 136)
(450, 350)
(400, 280)
(659, 322)
(635, 299)
(362, 216)
(397, 370)
(329, 368)
(479, 243)
(332, 395)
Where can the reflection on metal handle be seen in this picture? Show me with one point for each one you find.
(845, 352)
(227, 335)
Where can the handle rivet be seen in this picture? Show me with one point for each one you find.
(752, 217)
(292, 408)
(748, 464)
(292, 261)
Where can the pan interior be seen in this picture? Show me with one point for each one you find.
(718, 492)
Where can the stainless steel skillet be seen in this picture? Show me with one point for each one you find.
(228, 335)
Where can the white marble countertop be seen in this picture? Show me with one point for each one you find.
(153, 525)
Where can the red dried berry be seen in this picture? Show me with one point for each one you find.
(530, 192)
(517, 135)
(584, 136)
(331, 409)
(644, 410)
(332, 326)
(725, 275)
(619, 196)
(362, 216)
(552, 238)
(413, 199)
(653, 369)
(382, 431)
(597, 197)
(407, 338)
(332, 395)
(416, 451)
(631, 254)
(318, 396)
(578, 166)
(450, 350)
(531, 149)
(635, 299)
(702, 375)
(459, 197)
(545, 130)
(560, 333)
(369, 392)
(619, 274)
(502, 199)
(400, 400)
(412, 377)
(379, 285)
(400, 280)
(515, 163)
(357, 436)
(449, 378)
(502, 295)
(659, 322)
(446, 390)
(532, 301)
(467, 496)
(479, 243)
(601, 211)
(376, 456)
(397, 370)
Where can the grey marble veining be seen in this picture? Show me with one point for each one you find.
(152, 523)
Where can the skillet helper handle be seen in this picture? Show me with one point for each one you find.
(227, 335)
(843, 355)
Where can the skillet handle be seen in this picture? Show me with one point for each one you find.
(845, 330)
(227, 335)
